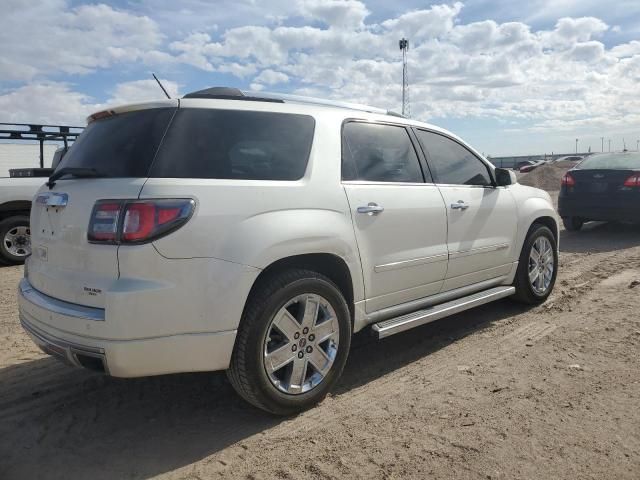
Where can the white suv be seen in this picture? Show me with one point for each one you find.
(256, 234)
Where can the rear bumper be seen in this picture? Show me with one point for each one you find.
(576, 208)
(119, 358)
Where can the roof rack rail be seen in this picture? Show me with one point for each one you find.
(225, 93)
(39, 133)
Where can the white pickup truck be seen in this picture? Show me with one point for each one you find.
(15, 205)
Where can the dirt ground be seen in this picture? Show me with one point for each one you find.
(500, 392)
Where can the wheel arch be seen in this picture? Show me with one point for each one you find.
(549, 222)
(14, 208)
(328, 264)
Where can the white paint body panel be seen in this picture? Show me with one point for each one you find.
(19, 189)
(168, 305)
(480, 238)
(403, 250)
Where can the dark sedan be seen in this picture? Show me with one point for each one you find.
(602, 187)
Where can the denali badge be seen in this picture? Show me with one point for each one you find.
(94, 292)
(598, 175)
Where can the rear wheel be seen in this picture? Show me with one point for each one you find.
(15, 239)
(292, 343)
(538, 266)
(572, 224)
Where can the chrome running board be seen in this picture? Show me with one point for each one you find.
(415, 319)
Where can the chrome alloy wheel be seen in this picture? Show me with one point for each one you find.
(301, 344)
(17, 241)
(541, 265)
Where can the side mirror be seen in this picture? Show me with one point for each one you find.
(505, 177)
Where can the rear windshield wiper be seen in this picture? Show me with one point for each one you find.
(79, 172)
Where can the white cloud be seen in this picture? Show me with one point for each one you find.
(428, 23)
(271, 77)
(51, 103)
(46, 37)
(58, 104)
(341, 14)
(564, 76)
(142, 91)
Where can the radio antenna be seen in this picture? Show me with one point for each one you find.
(163, 89)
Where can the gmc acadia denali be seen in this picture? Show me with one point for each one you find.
(255, 233)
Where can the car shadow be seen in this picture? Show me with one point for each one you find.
(597, 237)
(85, 425)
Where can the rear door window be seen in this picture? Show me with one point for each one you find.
(379, 153)
(123, 145)
(451, 163)
(235, 144)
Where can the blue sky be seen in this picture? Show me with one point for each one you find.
(509, 77)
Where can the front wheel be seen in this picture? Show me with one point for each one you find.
(572, 224)
(538, 266)
(292, 344)
(15, 239)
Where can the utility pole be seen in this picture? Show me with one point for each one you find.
(602, 138)
(576, 145)
(406, 107)
(609, 145)
(638, 145)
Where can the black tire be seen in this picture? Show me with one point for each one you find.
(247, 371)
(572, 224)
(524, 290)
(6, 226)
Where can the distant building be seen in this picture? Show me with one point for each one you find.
(23, 155)
(519, 160)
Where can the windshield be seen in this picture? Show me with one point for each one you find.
(123, 145)
(613, 161)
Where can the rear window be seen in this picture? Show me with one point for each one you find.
(120, 146)
(235, 144)
(614, 161)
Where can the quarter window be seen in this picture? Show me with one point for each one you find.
(378, 153)
(451, 162)
(235, 144)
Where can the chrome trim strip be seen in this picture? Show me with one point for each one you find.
(411, 263)
(53, 199)
(368, 182)
(54, 305)
(52, 340)
(421, 317)
(414, 305)
(473, 251)
(315, 101)
(61, 349)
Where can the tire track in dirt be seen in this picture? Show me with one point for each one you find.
(55, 384)
(370, 397)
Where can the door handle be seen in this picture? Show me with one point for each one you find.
(461, 205)
(371, 209)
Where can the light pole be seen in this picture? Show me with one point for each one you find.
(602, 138)
(638, 145)
(576, 145)
(406, 106)
(609, 145)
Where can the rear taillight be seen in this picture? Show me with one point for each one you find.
(633, 180)
(105, 219)
(137, 221)
(567, 180)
